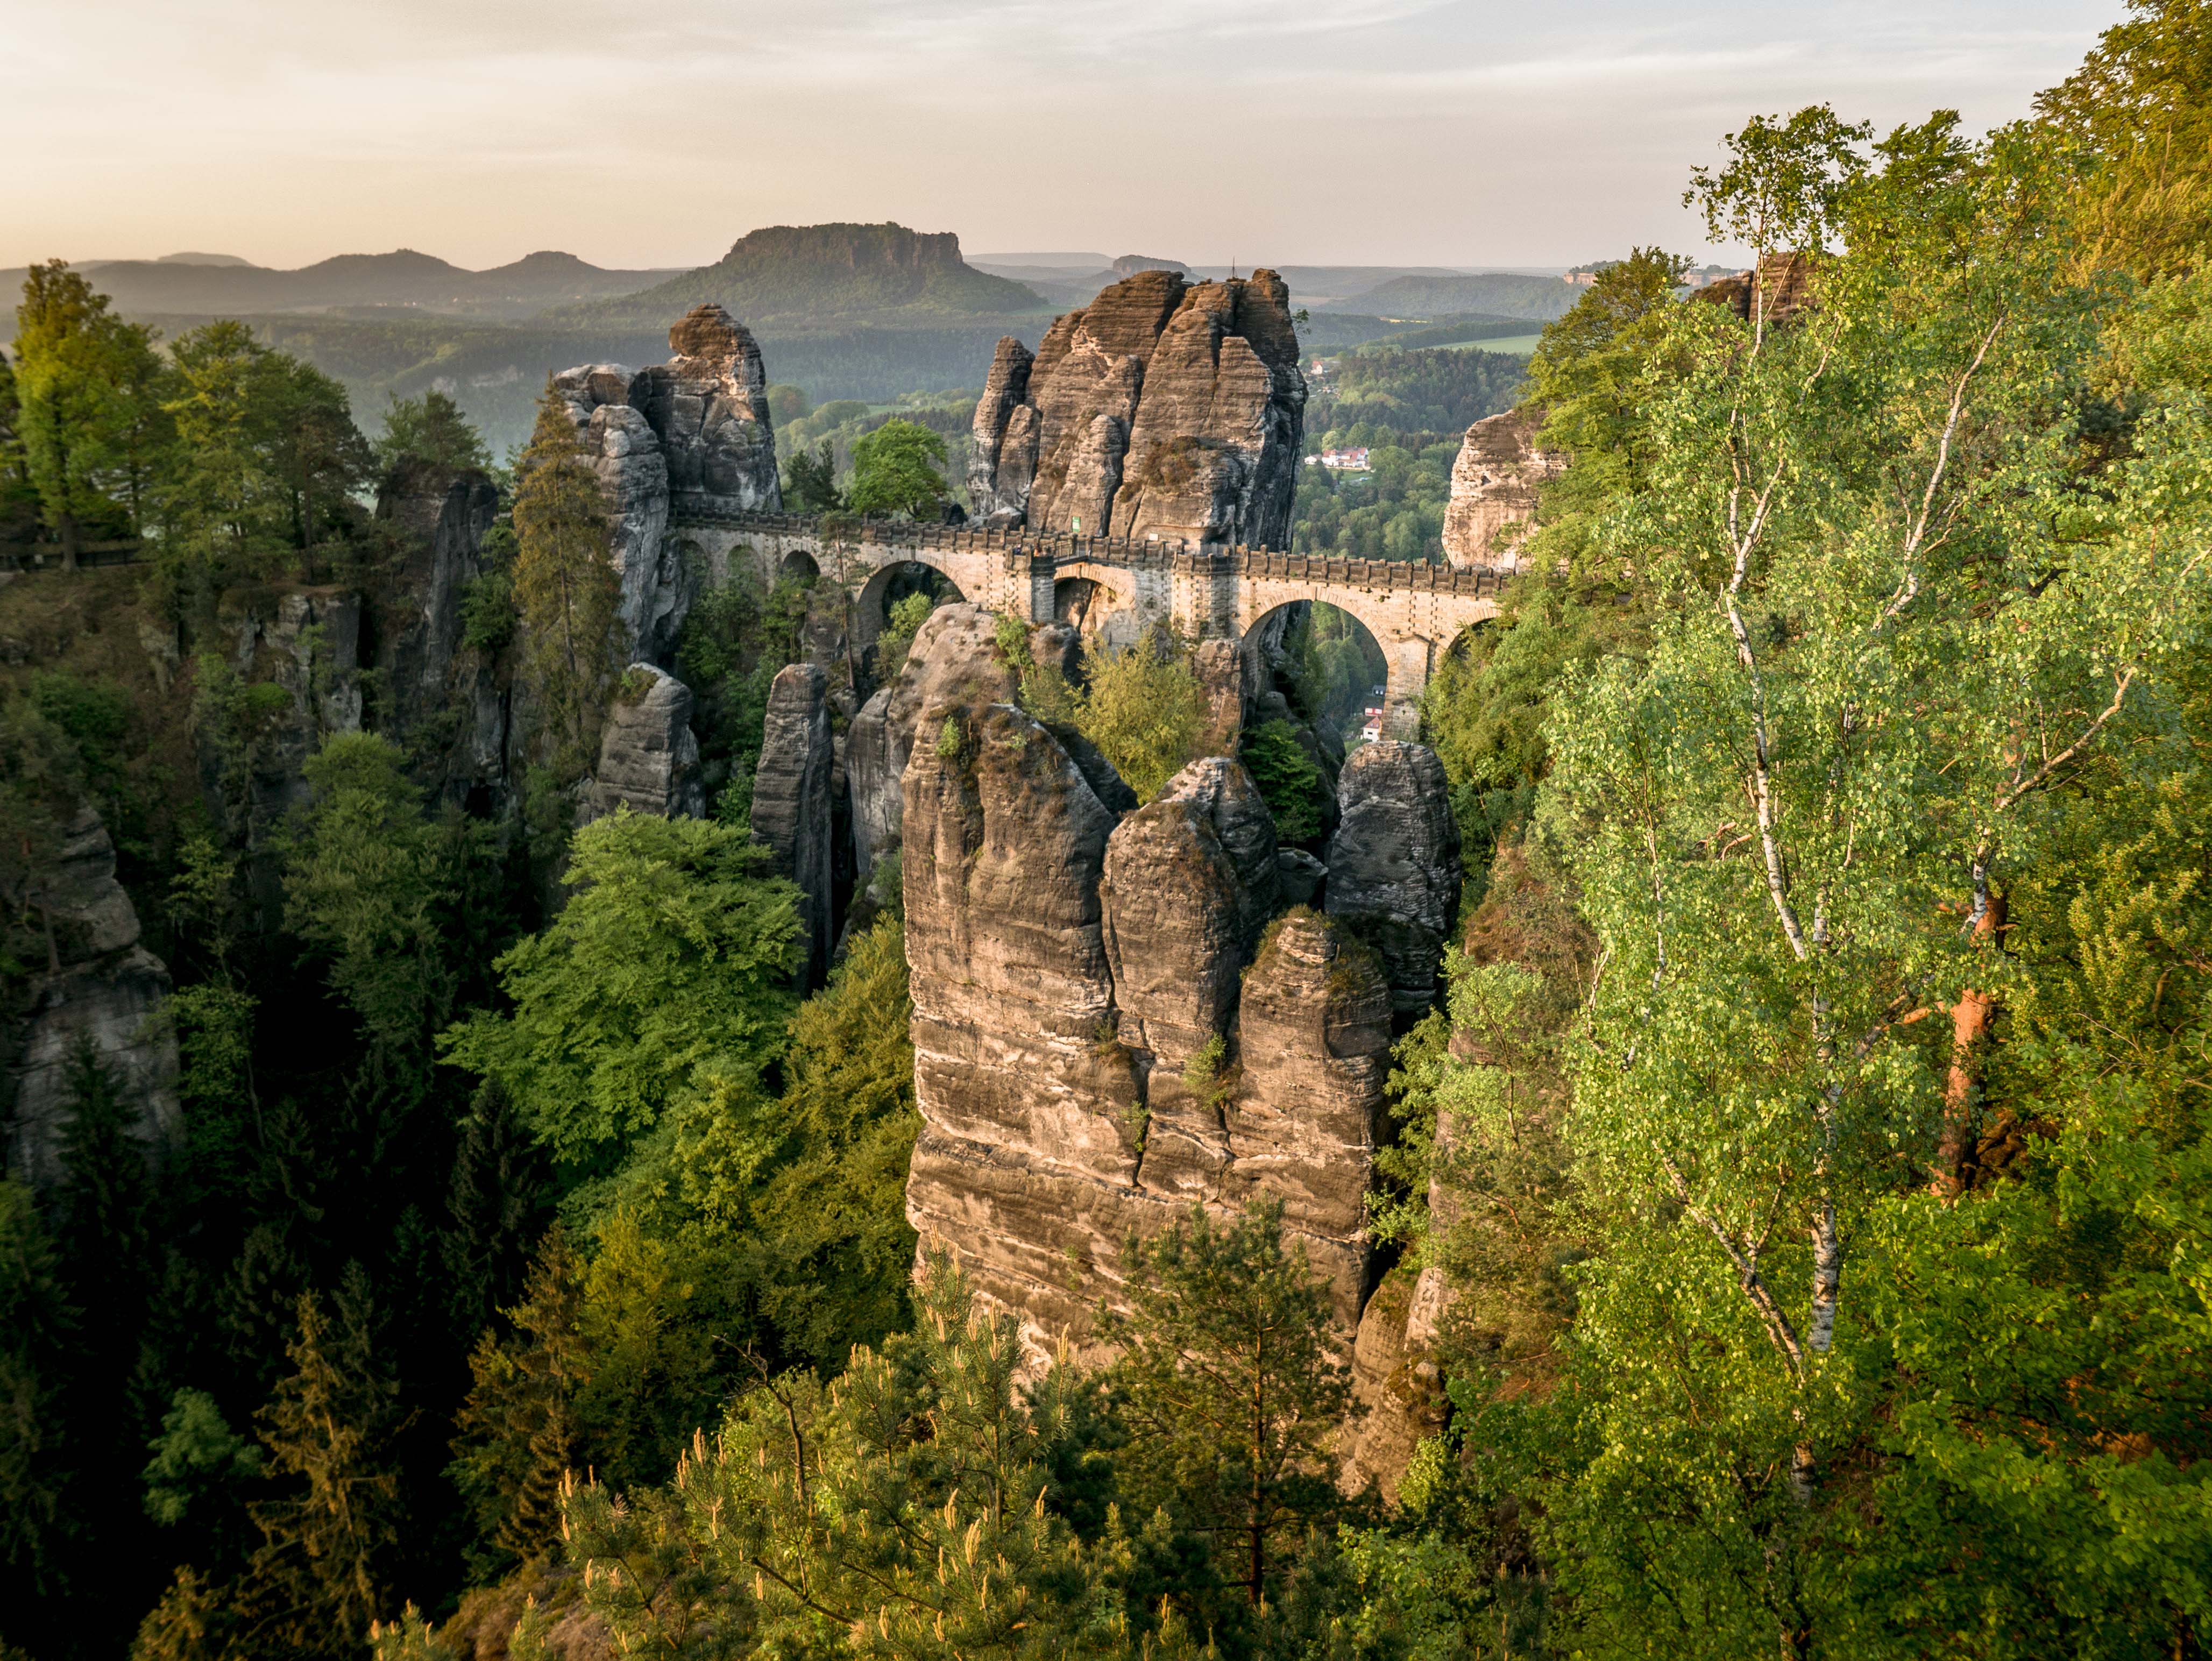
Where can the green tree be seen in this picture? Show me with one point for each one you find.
(320, 1576)
(1144, 709)
(565, 587)
(430, 429)
(1885, 646)
(1289, 779)
(2139, 105)
(669, 965)
(835, 1250)
(37, 1333)
(230, 511)
(1233, 1391)
(810, 483)
(519, 1434)
(906, 1509)
(894, 471)
(87, 387)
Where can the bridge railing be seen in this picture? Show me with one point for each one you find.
(1125, 553)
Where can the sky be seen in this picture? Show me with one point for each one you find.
(1471, 132)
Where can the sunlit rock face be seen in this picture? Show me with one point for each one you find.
(1494, 483)
(688, 436)
(1163, 408)
(1115, 1018)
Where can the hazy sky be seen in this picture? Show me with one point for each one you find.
(1358, 131)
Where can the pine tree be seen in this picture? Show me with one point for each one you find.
(37, 1330)
(565, 586)
(317, 1580)
(1232, 1390)
(496, 1203)
(518, 1431)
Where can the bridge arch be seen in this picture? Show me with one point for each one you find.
(891, 581)
(1300, 639)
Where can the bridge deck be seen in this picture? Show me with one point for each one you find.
(1181, 557)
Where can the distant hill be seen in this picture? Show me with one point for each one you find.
(1501, 293)
(195, 285)
(827, 276)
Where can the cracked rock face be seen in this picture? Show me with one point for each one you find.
(1001, 492)
(425, 668)
(692, 434)
(107, 992)
(1494, 482)
(1071, 967)
(708, 406)
(792, 812)
(1394, 863)
(1162, 409)
(648, 760)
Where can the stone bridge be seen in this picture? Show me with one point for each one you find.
(1114, 585)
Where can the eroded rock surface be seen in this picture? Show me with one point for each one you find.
(1494, 482)
(1161, 409)
(692, 434)
(1097, 1045)
(1394, 863)
(423, 663)
(105, 990)
(792, 811)
(648, 759)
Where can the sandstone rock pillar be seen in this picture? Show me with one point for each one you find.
(792, 813)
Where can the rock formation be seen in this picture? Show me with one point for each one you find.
(648, 760)
(792, 813)
(1107, 1026)
(1493, 490)
(1161, 409)
(952, 662)
(692, 434)
(1394, 865)
(1780, 285)
(424, 671)
(102, 988)
(1005, 389)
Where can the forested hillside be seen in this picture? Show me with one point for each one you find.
(1805, 1158)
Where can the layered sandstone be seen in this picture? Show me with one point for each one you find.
(1494, 484)
(691, 435)
(1114, 1019)
(1394, 861)
(648, 759)
(425, 672)
(103, 993)
(1162, 409)
(792, 814)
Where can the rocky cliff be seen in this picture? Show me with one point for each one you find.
(792, 811)
(1161, 409)
(102, 995)
(1494, 483)
(445, 697)
(1114, 1018)
(648, 759)
(692, 434)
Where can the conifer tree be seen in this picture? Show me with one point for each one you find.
(1232, 1390)
(317, 1580)
(518, 1432)
(37, 1330)
(565, 587)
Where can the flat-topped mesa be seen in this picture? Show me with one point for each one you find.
(1494, 483)
(1163, 408)
(692, 434)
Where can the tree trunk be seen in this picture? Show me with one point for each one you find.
(1971, 1017)
(65, 522)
